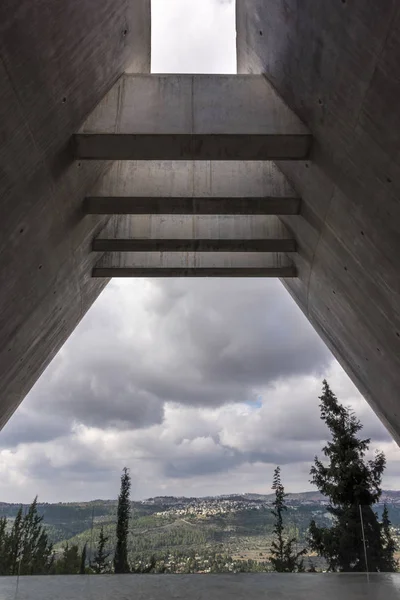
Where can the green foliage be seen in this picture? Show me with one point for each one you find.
(25, 549)
(70, 562)
(99, 564)
(349, 481)
(82, 569)
(284, 558)
(121, 564)
(389, 563)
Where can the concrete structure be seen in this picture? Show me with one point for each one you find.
(326, 71)
(192, 117)
(58, 59)
(211, 236)
(269, 586)
(336, 64)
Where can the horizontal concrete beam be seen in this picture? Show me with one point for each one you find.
(192, 117)
(188, 179)
(187, 227)
(195, 272)
(193, 245)
(127, 264)
(97, 205)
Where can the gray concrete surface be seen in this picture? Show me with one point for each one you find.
(336, 64)
(192, 117)
(232, 179)
(193, 235)
(194, 264)
(266, 586)
(178, 244)
(58, 59)
(190, 187)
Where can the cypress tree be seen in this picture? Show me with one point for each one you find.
(121, 564)
(99, 562)
(283, 557)
(3, 547)
(350, 482)
(82, 569)
(14, 544)
(35, 548)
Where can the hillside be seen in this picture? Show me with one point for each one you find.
(238, 527)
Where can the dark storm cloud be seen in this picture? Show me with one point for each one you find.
(198, 343)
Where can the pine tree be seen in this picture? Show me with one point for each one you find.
(99, 563)
(350, 482)
(121, 564)
(35, 548)
(82, 569)
(3, 546)
(14, 544)
(283, 557)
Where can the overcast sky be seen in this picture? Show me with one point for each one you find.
(199, 386)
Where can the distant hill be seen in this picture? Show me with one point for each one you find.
(238, 525)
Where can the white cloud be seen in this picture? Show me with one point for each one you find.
(193, 36)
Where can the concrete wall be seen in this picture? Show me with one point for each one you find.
(336, 64)
(58, 58)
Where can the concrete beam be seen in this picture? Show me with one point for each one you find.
(204, 179)
(194, 264)
(99, 272)
(194, 245)
(192, 117)
(188, 227)
(190, 188)
(96, 205)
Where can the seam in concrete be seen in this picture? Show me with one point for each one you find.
(120, 103)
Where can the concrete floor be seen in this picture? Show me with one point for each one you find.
(208, 587)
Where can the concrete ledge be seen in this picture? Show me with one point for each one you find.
(189, 179)
(194, 264)
(194, 272)
(193, 245)
(96, 205)
(120, 146)
(241, 586)
(192, 117)
(191, 206)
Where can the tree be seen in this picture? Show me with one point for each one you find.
(389, 544)
(350, 482)
(70, 562)
(14, 545)
(3, 546)
(283, 557)
(36, 551)
(99, 563)
(82, 569)
(121, 564)
(25, 550)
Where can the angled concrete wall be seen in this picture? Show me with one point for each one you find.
(336, 64)
(58, 58)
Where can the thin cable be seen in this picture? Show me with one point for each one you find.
(363, 539)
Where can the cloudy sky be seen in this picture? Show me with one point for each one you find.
(199, 386)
